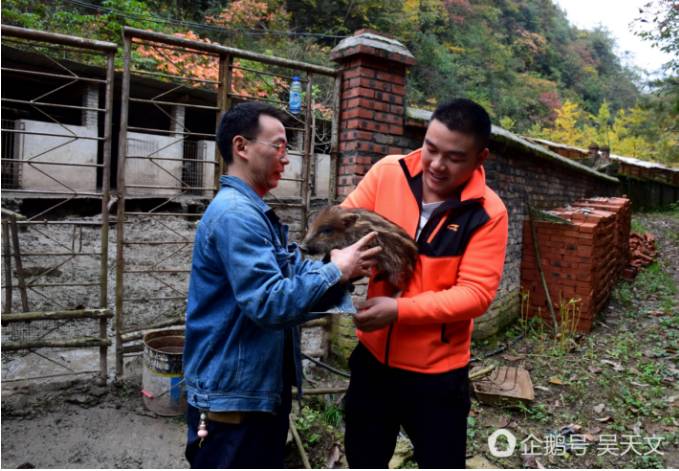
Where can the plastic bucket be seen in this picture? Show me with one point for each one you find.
(162, 386)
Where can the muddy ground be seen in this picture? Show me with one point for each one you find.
(76, 425)
(621, 379)
(80, 424)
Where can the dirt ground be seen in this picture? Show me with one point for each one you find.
(78, 424)
(621, 378)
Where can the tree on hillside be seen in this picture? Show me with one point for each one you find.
(659, 23)
(105, 22)
(521, 59)
(632, 132)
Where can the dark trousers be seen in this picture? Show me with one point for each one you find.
(257, 442)
(432, 408)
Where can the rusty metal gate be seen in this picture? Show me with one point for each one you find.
(56, 150)
(168, 165)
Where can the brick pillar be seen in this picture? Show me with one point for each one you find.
(605, 152)
(372, 103)
(593, 152)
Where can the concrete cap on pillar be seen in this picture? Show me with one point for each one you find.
(365, 41)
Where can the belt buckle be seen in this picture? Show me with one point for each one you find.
(231, 417)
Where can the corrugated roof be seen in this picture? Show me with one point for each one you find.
(621, 158)
(643, 163)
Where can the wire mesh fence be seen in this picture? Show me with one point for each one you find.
(62, 268)
(56, 136)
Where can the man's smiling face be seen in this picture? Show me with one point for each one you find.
(449, 159)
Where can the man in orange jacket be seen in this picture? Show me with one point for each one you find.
(410, 367)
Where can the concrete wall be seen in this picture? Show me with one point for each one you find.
(206, 152)
(286, 188)
(322, 176)
(292, 189)
(40, 149)
(148, 173)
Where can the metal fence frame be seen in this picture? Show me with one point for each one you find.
(11, 221)
(127, 337)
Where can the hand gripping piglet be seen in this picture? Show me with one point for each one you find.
(335, 227)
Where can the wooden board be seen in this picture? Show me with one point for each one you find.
(505, 385)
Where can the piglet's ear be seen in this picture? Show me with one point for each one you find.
(349, 219)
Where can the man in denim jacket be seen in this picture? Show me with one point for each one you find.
(248, 292)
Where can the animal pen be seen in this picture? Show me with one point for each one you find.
(167, 169)
(52, 254)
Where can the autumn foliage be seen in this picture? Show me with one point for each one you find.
(201, 68)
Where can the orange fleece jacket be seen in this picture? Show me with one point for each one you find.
(460, 263)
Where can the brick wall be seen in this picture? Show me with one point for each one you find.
(649, 185)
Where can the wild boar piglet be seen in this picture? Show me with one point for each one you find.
(335, 227)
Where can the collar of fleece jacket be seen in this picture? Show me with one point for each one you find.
(411, 164)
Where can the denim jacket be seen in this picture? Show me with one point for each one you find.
(247, 287)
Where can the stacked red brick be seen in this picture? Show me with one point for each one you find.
(622, 208)
(642, 253)
(581, 259)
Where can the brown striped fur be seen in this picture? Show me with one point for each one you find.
(335, 227)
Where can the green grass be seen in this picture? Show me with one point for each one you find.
(652, 461)
(333, 415)
(305, 423)
(623, 294)
(638, 227)
(637, 394)
(671, 210)
(535, 412)
(472, 429)
(650, 373)
(654, 280)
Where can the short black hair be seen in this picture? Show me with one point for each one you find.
(243, 120)
(466, 116)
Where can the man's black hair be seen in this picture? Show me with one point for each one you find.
(465, 116)
(243, 120)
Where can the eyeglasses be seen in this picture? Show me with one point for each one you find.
(281, 147)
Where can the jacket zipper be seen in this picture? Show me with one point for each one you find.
(391, 326)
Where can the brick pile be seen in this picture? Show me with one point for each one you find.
(642, 253)
(622, 209)
(582, 256)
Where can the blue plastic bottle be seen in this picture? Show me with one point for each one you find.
(295, 104)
